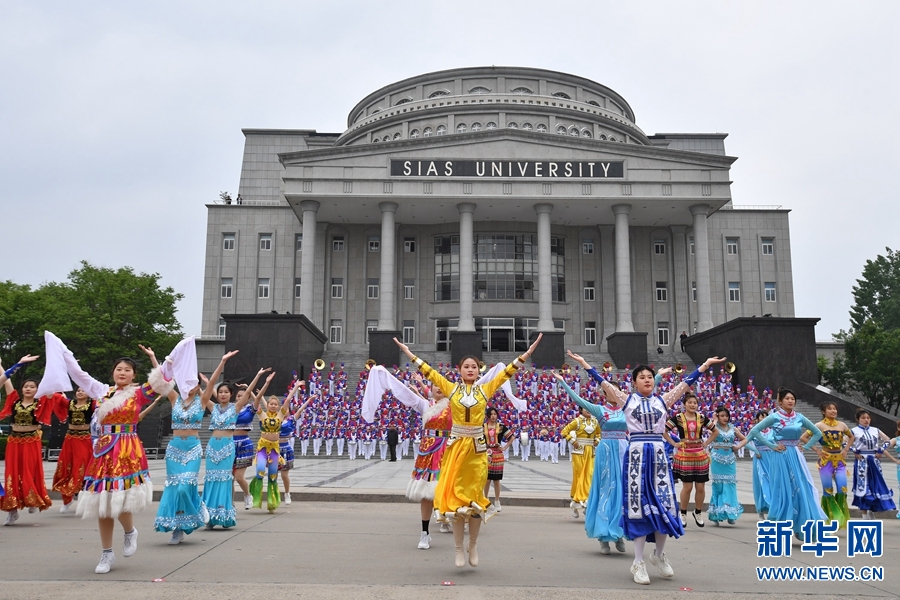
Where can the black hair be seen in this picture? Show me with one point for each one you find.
(862, 412)
(32, 380)
(639, 369)
(488, 411)
(230, 389)
(467, 357)
(761, 414)
(721, 409)
(688, 396)
(824, 406)
(783, 391)
(128, 361)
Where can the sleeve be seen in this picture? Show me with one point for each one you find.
(155, 387)
(437, 379)
(672, 425)
(491, 387)
(380, 380)
(595, 375)
(756, 435)
(57, 404)
(507, 434)
(815, 431)
(676, 393)
(8, 405)
(570, 430)
(594, 409)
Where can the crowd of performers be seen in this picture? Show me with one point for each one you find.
(630, 438)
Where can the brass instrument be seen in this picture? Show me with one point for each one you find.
(369, 364)
(319, 364)
(566, 368)
(729, 367)
(679, 369)
(482, 366)
(607, 367)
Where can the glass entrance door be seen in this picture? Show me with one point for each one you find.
(497, 335)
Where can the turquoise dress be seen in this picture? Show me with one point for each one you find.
(603, 512)
(724, 504)
(181, 506)
(218, 485)
(793, 495)
(761, 485)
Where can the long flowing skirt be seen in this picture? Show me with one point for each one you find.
(427, 470)
(582, 474)
(648, 490)
(761, 485)
(463, 475)
(870, 492)
(724, 504)
(794, 496)
(603, 514)
(73, 461)
(180, 506)
(117, 479)
(218, 485)
(25, 487)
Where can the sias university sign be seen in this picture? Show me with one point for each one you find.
(553, 169)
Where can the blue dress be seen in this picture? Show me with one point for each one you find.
(793, 495)
(218, 485)
(244, 449)
(181, 506)
(870, 492)
(286, 443)
(761, 485)
(723, 504)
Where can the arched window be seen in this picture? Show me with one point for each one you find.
(476, 126)
(602, 136)
(397, 136)
(586, 134)
(403, 101)
(573, 131)
(512, 125)
(375, 140)
(376, 110)
(521, 90)
(461, 128)
(613, 139)
(441, 130)
(413, 134)
(541, 128)
(427, 132)
(439, 93)
(479, 90)
(562, 95)
(386, 138)
(527, 126)
(561, 129)
(491, 125)
(594, 102)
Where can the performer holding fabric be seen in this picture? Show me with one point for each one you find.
(76, 450)
(583, 433)
(870, 493)
(459, 493)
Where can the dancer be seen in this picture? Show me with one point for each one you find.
(650, 511)
(286, 435)
(724, 504)
(244, 450)
(75, 453)
(498, 437)
(691, 464)
(793, 497)
(832, 454)
(603, 513)
(459, 493)
(870, 493)
(267, 456)
(25, 487)
(582, 432)
(895, 443)
(761, 455)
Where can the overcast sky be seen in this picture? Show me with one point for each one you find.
(120, 121)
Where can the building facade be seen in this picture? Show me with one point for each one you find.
(499, 200)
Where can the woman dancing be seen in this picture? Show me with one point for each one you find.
(793, 497)
(691, 464)
(286, 447)
(582, 432)
(76, 448)
(870, 493)
(724, 504)
(832, 453)
(460, 490)
(498, 437)
(267, 455)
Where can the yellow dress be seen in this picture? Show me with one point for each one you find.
(465, 462)
(583, 431)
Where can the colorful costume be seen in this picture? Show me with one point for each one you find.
(691, 462)
(427, 470)
(244, 450)
(582, 433)
(181, 507)
(793, 496)
(286, 444)
(496, 438)
(76, 450)
(833, 473)
(724, 504)
(267, 460)
(761, 485)
(218, 484)
(870, 492)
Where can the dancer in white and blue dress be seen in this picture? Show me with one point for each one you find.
(649, 507)
(603, 513)
(761, 455)
(724, 504)
(793, 495)
(870, 493)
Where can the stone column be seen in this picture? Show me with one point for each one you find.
(308, 285)
(545, 291)
(623, 269)
(466, 265)
(387, 281)
(701, 267)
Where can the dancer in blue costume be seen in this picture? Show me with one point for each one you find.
(794, 496)
(724, 504)
(603, 514)
(761, 455)
(286, 447)
(649, 508)
(870, 493)
(244, 450)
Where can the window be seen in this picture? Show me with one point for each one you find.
(589, 291)
(441, 130)
(336, 331)
(409, 332)
(337, 244)
(409, 244)
(585, 133)
(491, 125)
(296, 287)
(476, 126)
(541, 128)
(590, 333)
(262, 288)
(662, 334)
(337, 287)
(512, 125)
(386, 138)
(413, 134)
(573, 131)
(521, 90)
(372, 289)
(768, 246)
(561, 129)
(692, 246)
(427, 132)
(461, 128)
(770, 291)
(409, 287)
(562, 95)
(227, 287)
(479, 90)
(731, 246)
(265, 241)
(659, 247)
(374, 244)
(587, 247)
(371, 325)
(662, 292)
(221, 327)
(734, 291)
(527, 126)
(298, 243)
(228, 241)
(693, 291)
(397, 136)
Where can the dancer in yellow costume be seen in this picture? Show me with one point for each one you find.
(460, 490)
(584, 433)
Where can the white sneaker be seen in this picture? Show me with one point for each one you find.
(424, 541)
(604, 548)
(574, 508)
(248, 501)
(65, 508)
(620, 545)
(683, 518)
(176, 538)
(497, 504)
(130, 546)
(32, 510)
(11, 517)
(445, 528)
(106, 561)
(639, 570)
(698, 518)
(204, 513)
(287, 498)
(662, 563)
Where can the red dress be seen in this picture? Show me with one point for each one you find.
(75, 453)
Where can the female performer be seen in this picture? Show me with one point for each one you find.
(76, 449)
(724, 504)
(582, 432)
(691, 464)
(832, 454)
(498, 437)
(870, 493)
(603, 514)
(244, 451)
(650, 511)
(793, 495)
(286, 447)
(267, 455)
(761, 455)
(460, 490)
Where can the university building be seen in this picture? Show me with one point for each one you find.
(478, 206)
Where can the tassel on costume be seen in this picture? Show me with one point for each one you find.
(256, 491)
(273, 498)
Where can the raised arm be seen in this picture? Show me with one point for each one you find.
(491, 387)
(262, 392)
(286, 405)
(446, 386)
(676, 393)
(4, 379)
(151, 354)
(210, 388)
(594, 409)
